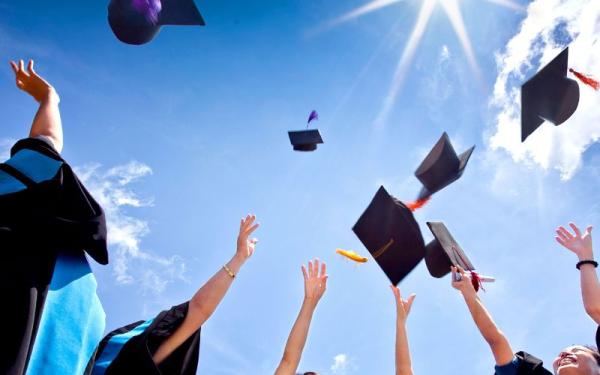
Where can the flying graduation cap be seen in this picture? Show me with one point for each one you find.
(389, 231)
(138, 21)
(443, 252)
(306, 140)
(550, 95)
(440, 168)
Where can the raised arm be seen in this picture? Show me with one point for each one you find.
(581, 245)
(314, 287)
(47, 120)
(403, 363)
(498, 343)
(207, 298)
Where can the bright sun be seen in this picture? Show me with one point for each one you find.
(452, 10)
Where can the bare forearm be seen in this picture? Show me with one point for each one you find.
(403, 363)
(202, 305)
(491, 333)
(47, 121)
(297, 339)
(590, 291)
(207, 298)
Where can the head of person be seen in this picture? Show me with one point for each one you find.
(577, 360)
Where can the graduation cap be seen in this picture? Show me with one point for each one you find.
(548, 96)
(138, 21)
(443, 252)
(441, 167)
(305, 140)
(389, 231)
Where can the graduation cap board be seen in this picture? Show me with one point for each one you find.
(389, 231)
(138, 21)
(441, 167)
(548, 96)
(305, 140)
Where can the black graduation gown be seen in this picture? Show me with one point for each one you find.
(37, 219)
(129, 349)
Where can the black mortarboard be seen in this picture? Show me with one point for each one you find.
(443, 251)
(548, 96)
(138, 21)
(441, 167)
(305, 140)
(390, 232)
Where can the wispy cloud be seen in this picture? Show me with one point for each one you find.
(112, 188)
(549, 26)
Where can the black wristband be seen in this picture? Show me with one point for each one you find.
(587, 261)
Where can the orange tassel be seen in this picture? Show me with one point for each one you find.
(586, 79)
(417, 204)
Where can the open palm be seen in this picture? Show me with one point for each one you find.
(580, 244)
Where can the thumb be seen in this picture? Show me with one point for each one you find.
(409, 302)
(588, 230)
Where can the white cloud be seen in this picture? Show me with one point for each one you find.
(112, 189)
(548, 27)
(342, 365)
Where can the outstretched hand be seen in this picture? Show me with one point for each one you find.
(315, 282)
(245, 246)
(580, 244)
(402, 305)
(30, 82)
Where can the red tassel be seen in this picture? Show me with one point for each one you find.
(586, 79)
(476, 281)
(417, 204)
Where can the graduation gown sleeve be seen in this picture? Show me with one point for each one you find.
(129, 349)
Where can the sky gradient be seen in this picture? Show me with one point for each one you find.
(181, 137)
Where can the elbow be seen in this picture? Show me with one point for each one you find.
(496, 339)
(198, 312)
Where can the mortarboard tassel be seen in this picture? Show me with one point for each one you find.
(586, 79)
(413, 206)
(476, 281)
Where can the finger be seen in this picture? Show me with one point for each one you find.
(304, 272)
(460, 270)
(396, 292)
(310, 269)
(565, 232)
(562, 236)
(249, 231)
(14, 67)
(30, 67)
(323, 269)
(560, 241)
(575, 229)
(588, 230)
(409, 302)
(241, 224)
(21, 65)
(317, 267)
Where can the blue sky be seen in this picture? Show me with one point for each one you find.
(181, 137)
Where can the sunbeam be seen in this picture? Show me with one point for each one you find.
(405, 60)
(453, 12)
(355, 13)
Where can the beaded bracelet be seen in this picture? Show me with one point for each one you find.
(587, 261)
